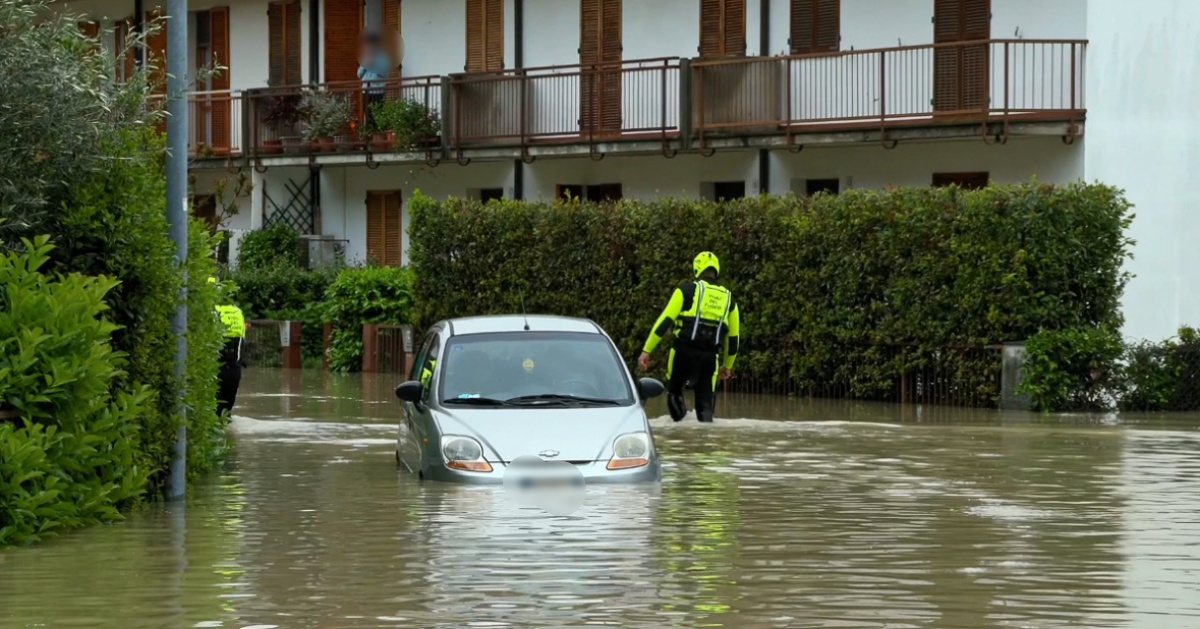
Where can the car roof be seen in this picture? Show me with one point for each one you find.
(516, 323)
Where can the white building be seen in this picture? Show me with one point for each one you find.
(640, 98)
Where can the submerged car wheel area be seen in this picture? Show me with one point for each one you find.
(487, 391)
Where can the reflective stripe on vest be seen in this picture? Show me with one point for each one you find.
(233, 321)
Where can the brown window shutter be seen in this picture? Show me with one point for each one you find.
(722, 28)
(815, 26)
(589, 32)
(275, 45)
(90, 29)
(220, 108)
(126, 63)
(292, 16)
(600, 54)
(960, 81)
(392, 28)
(156, 53)
(343, 23)
(384, 231)
(485, 35)
(283, 43)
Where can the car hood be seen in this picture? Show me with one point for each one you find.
(577, 434)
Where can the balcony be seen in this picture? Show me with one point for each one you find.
(998, 83)
(992, 89)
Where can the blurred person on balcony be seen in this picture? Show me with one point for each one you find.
(234, 325)
(707, 324)
(373, 68)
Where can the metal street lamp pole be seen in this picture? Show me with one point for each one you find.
(177, 216)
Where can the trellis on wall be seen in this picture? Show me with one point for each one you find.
(298, 211)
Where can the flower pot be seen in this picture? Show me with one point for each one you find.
(383, 141)
(326, 145)
(272, 146)
(343, 143)
(293, 144)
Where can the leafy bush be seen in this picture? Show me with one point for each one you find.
(1073, 369)
(277, 245)
(1164, 376)
(372, 294)
(92, 175)
(70, 457)
(822, 282)
(413, 122)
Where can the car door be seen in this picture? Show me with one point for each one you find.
(411, 431)
(423, 428)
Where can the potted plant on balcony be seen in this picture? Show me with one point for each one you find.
(284, 112)
(378, 126)
(327, 115)
(412, 125)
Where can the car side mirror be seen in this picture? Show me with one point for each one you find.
(650, 388)
(410, 391)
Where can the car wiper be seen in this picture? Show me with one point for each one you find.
(476, 401)
(561, 397)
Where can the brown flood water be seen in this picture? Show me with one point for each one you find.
(810, 514)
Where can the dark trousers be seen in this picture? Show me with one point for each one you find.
(372, 98)
(697, 367)
(229, 379)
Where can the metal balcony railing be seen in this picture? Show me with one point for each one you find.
(566, 103)
(271, 121)
(215, 124)
(985, 80)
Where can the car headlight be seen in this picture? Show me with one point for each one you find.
(464, 453)
(630, 450)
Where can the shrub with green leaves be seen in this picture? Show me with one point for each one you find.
(1163, 376)
(92, 174)
(70, 456)
(371, 294)
(821, 282)
(1074, 369)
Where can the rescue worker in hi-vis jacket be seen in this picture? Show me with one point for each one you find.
(705, 319)
(234, 325)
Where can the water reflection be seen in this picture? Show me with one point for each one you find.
(812, 514)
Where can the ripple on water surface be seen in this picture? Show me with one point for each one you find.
(766, 523)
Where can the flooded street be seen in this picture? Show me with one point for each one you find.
(781, 514)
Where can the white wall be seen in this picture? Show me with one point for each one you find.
(913, 164)
(344, 192)
(1143, 136)
(645, 177)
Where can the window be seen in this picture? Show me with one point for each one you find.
(212, 115)
(604, 192)
(489, 194)
(815, 26)
(568, 191)
(723, 190)
(968, 181)
(485, 35)
(422, 353)
(283, 43)
(600, 54)
(384, 230)
(722, 28)
(818, 186)
(507, 365)
(125, 57)
(204, 207)
(343, 23)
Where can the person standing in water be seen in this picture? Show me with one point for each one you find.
(234, 324)
(707, 324)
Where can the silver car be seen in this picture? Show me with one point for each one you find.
(487, 391)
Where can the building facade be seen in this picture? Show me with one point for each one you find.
(694, 98)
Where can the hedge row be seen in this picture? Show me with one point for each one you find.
(822, 282)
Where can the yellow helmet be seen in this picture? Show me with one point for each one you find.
(706, 260)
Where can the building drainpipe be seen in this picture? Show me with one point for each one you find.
(314, 77)
(764, 50)
(519, 62)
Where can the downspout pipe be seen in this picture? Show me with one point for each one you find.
(764, 50)
(518, 62)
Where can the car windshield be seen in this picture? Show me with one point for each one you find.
(534, 366)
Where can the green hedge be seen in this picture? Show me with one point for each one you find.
(70, 457)
(371, 294)
(822, 282)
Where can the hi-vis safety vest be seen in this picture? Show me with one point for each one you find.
(233, 320)
(703, 323)
(427, 373)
